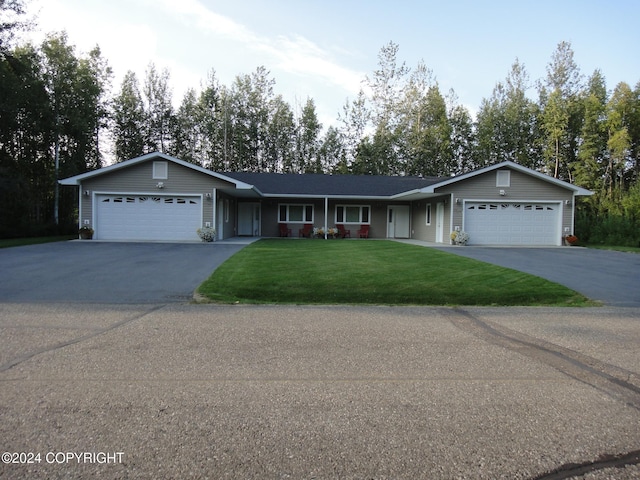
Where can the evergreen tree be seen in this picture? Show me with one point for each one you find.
(128, 120)
(159, 113)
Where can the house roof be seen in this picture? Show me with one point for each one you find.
(77, 179)
(315, 185)
(250, 184)
(515, 166)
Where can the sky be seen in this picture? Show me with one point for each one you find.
(324, 49)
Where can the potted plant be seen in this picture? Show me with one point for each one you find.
(207, 234)
(571, 239)
(85, 232)
(459, 238)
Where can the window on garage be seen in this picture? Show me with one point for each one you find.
(503, 178)
(160, 170)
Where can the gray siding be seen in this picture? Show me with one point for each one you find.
(139, 179)
(523, 187)
(420, 229)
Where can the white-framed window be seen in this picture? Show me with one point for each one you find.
(295, 213)
(503, 178)
(353, 214)
(227, 208)
(428, 218)
(160, 170)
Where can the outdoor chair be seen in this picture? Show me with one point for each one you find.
(284, 230)
(363, 231)
(344, 233)
(306, 231)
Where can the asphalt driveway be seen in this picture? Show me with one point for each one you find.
(609, 276)
(105, 272)
(151, 273)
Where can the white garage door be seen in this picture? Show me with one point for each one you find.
(512, 223)
(147, 217)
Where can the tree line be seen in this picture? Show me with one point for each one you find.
(59, 117)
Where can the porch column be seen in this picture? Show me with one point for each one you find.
(214, 199)
(326, 215)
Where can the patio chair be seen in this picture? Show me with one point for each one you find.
(344, 233)
(363, 231)
(284, 230)
(306, 231)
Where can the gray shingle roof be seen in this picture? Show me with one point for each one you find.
(332, 185)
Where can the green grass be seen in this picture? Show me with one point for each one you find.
(18, 242)
(374, 273)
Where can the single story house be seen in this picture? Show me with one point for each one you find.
(159, 197)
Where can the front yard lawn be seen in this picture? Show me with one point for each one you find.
(373, 272)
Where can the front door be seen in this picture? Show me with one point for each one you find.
(399, 221)
(249, 219)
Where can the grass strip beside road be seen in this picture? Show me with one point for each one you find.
(19, 242)
(373, 272)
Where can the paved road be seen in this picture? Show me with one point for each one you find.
(99, 353)
(107, 272)
(205, 391)
(608, 276)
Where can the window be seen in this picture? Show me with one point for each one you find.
(295, 213)
(352, 214)
(428, 214)
(503, 178)
(160, 170)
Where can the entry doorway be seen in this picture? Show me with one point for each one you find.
(249, 219)
(399, 221)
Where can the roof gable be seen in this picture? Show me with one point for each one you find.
(512, 165)
(77, 179)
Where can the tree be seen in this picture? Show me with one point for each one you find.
(76, 89)
(248, 112)
(11, 21)
(355, 119)
(463, 141)
(386, 86)
(332, 152)
(590, 169)
(619, 110)
(128, 120)
(25, 134)
(307, 140)
(561, 116)
(506, 124)
(281, 138)
(158, 110)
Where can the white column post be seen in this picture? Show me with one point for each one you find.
(326, 215)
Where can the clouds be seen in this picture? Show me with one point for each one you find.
(282, 52)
